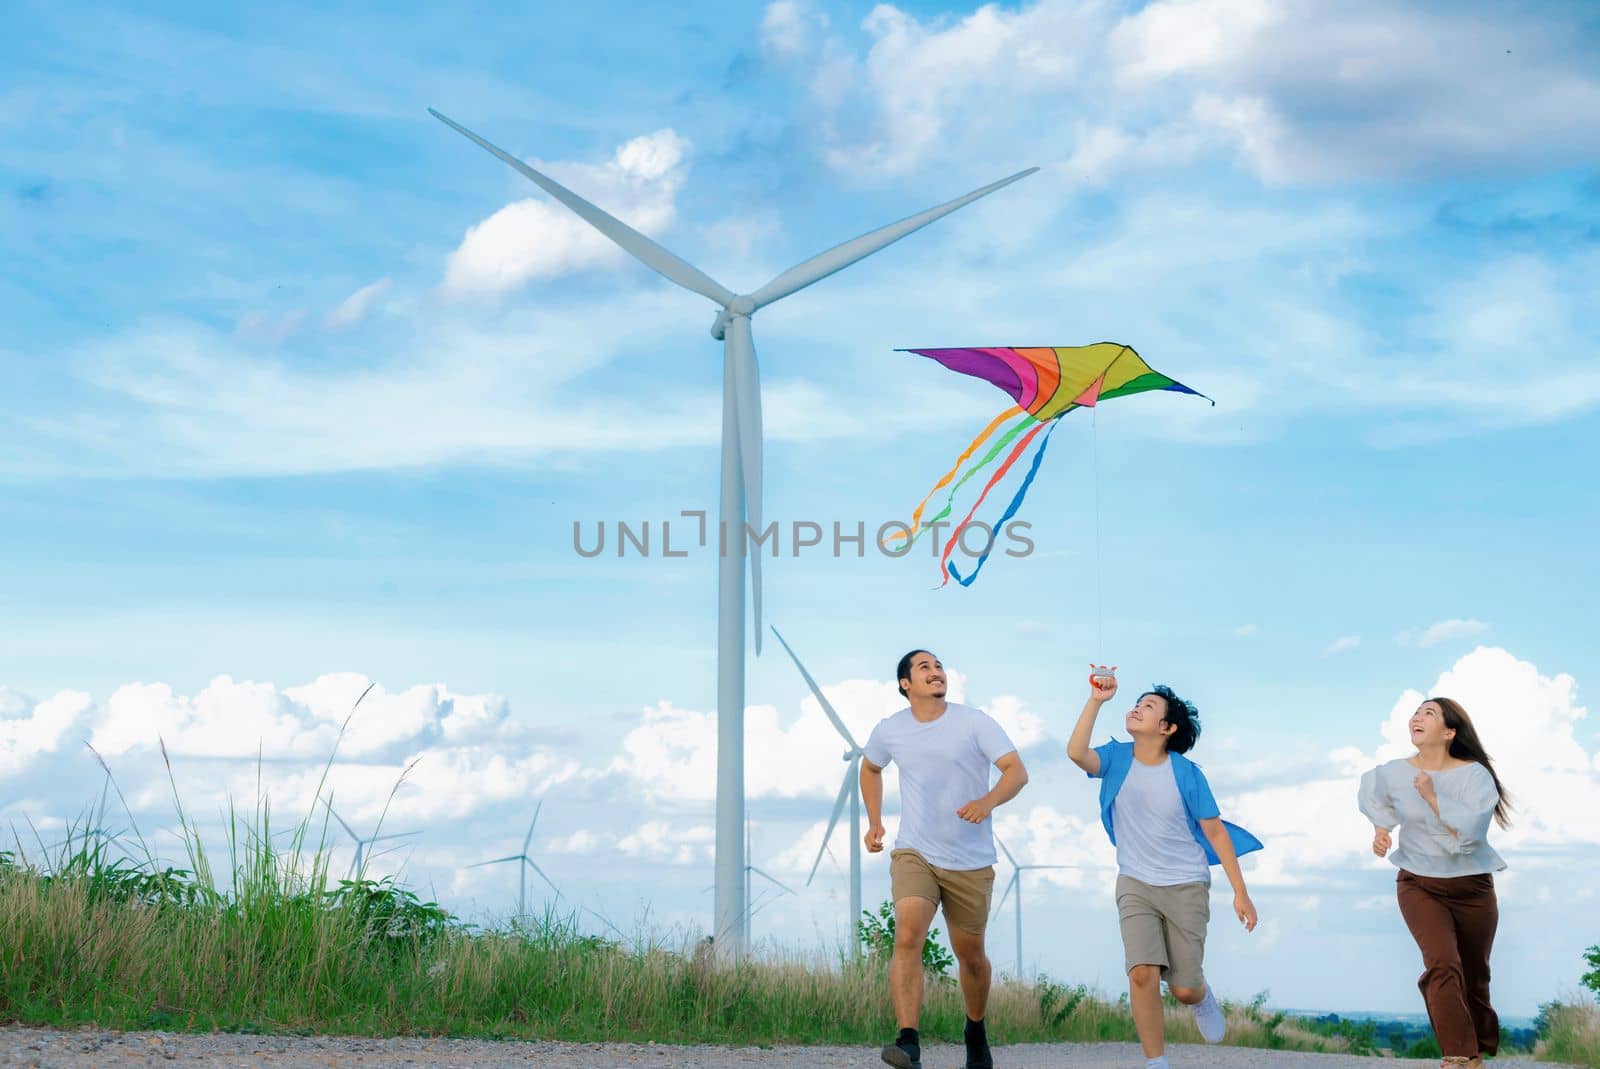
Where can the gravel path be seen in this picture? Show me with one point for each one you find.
(84, 1049)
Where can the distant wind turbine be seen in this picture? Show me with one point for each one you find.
(749, 871)
(741, 476)
(522, 869)
(1015, 884)
(848, 789)
(357, 863)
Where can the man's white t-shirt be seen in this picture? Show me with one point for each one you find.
(944, 764)
(1154, 843)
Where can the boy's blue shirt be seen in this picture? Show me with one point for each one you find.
(1115, 760)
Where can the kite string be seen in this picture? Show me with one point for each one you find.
(1099, 582)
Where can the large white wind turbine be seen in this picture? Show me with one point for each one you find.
(848, 789)
(741, 477)
(1015, 884)
(525, 863)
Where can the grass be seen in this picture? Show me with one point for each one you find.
(1570, 1032)
(272, 943)
(95, 943)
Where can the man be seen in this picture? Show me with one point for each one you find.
(1159, 811)
(944, 851)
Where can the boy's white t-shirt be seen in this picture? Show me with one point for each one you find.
(944, 764)
(1154, 843)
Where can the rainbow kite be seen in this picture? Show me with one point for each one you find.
(1046, 382)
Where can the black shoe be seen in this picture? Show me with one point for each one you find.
(977, 1042)
(898, 1057)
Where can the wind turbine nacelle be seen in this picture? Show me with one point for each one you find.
(742, 305)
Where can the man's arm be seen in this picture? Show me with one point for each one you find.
(1078, 745)
(1013, 777)
(1217, 836)
(872, 798)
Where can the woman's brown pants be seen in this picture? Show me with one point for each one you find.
(1453, 921)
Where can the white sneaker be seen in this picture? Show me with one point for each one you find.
(1208, 1017)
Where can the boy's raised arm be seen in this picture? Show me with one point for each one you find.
(1078, 745)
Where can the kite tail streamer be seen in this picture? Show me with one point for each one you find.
(955, 535)
(916, 516)
(994, 451)
(1011, 509)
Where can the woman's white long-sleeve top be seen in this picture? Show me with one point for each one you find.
(1453, 842)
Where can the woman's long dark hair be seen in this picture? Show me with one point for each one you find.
(1467, 747)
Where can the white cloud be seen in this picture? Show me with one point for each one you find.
(232, 719)
(789, 29)
(540, 238)
(263, 329)
(672, 753)
(1045, 835)
(1304, 91)
(29, 729)
(1246, 630)
(456, 753)
(1295, 84)
(1180, 36)
(516, 385)
(1449, 631)
(658, 840)
(1340, 645)
(358, 305)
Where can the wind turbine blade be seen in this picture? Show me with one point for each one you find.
(348, 829)
(631, 241)
(532, 865)
(841, 256)
(747, 403)
(838, 808)
(772, 879)
(393, 835)
(1001, 844)
(529, 837)
(827, 707)
(1015, 876)
(495, 861)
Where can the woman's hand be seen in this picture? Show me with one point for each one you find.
(1424, 785)
(1380, 841)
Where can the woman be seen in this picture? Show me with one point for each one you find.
(1443, 799)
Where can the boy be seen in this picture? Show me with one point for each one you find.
(1158, 809)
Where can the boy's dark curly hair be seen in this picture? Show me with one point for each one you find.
(1181, 715)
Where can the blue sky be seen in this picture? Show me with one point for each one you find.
(300, 389)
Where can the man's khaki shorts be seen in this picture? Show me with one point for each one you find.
(963, 893)
(1165, 926)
